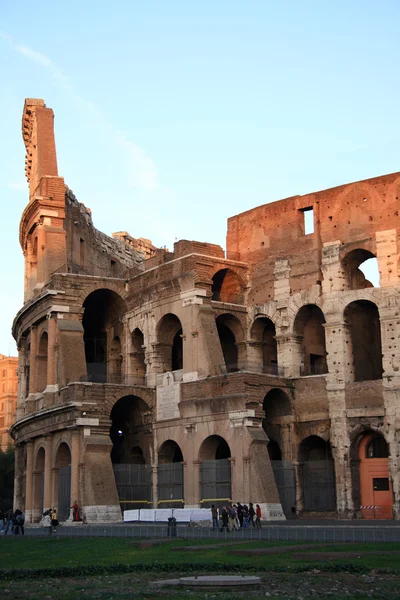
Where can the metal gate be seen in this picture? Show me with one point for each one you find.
(170, 485)
(319, 485)
(134, 485)
(64, 493)
(215, 482)
(286, 483)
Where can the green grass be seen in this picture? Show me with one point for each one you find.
(30, 553)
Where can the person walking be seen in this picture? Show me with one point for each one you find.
(240, 514)
(9, 516)
(19, 519)
(214, 516)
(252, 513)
(225, 519)
(246, 516)
(54, 520)
(258, 516)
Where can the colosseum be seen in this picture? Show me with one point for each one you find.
(149, 378)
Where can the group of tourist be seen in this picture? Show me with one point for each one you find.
(236, 516)
(12, 521)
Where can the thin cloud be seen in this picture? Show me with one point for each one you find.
(18, 187)
(143, 167)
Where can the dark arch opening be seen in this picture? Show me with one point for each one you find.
(229, 333)
(215, 471)
(170, 340)
(42, 362)
(263, 332)
(170, 452)
(127, 433)
(62, 482)
(355, 275)
(214, 448)
(362, 318)
(226, 287)
(274, 450)
(103, 310)
(309, 325)
(317, 474)
(170, 476)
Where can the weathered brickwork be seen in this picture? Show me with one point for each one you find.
(8, 397)
(269, 376)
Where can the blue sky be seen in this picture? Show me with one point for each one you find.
(173, 115)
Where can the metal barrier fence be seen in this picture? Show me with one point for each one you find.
(326, 534)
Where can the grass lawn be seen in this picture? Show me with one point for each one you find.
(26, 553)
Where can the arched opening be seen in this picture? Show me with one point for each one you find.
(103, 329)
(361, 269)
(170, 343)
(318, 474)
(42, 363)
(170, 476)
(130, 453)
(226, 287)
(138, 367)
(230, 335)
(362, 320)
(376, 494)
(215, 471)
(38, 486)
(62, 481)
(309, 326)
(277, 425)
(263, 333)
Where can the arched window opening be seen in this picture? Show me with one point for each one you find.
(170, 476)
(102, 333)
(276, 405)
(372, 488)
(226, 287)
(215, 471)
(38, 486)
(230, 334)
(130, 452)
(170, 343)
(42, 363)
(138, 367)
(263, 332)
(62, 483)
(362, 319)
(361, 269)
(309, 326)
(377, 448)
(318, 474)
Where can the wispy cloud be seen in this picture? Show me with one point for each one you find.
(18, 187)
(143, 168)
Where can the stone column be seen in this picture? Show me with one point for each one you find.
(254, 357)
(75, 461)
(290, 354)
(19, 488)
(33, 360)
(299, 486)
(48, 459)
(51, 359)
(195, 472)
(22, 391)
(246, 480)
(286, 441)
(29, 483)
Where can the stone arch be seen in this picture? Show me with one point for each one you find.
(170, 342)
(278, 413)
(169, 452)
(351, 263)
(311, 349)
(170, 475)
(137, 369)
(131, 452)
(371, 484)
(129, 424)
(317, 474)
(231, 336)
(215, 471)
(62, 479)
(264, 345)
(227, 286)
(103, 329)
(364, 329)
(42, 358)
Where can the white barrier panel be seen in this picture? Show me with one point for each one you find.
(182, 515)
(163, 514)
(131, 515)
(200, 514)
(147, 514)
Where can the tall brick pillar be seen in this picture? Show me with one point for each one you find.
(29, 483)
